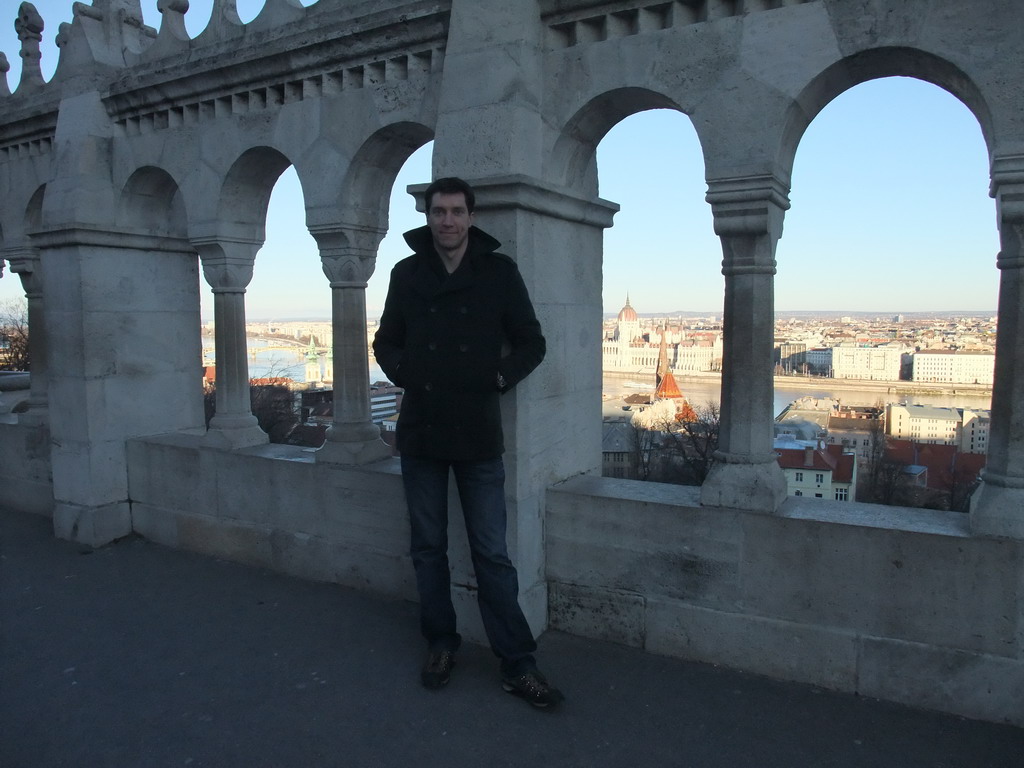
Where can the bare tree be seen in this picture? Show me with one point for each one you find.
(14, 349)
(271, 400)
(889, 482)
(695, 441)
(643, 443)
(681, 444)
(878, 473)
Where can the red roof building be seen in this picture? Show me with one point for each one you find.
(823, 473)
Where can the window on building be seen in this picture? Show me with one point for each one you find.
(798, 493)
(842, 494)
(799, 477)
(819, 477)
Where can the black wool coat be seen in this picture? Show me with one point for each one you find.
(441, 338)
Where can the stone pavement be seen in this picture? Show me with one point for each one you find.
(138, 655)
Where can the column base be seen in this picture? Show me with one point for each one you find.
(997, 509)
(93, 526)
(356, 443)
(353, 453)
(233, 432)
(755, 484)
(35, 416)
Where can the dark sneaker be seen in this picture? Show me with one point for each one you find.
(534, 688)
(437, 670)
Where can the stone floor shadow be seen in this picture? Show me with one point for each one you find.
(138, 655)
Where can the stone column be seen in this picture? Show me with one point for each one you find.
(25, 262)
(227, 266)
(997, 506)
(349, 255)
(748, 215)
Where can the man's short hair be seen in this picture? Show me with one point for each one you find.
(450, 185)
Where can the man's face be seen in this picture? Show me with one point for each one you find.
(449, 221)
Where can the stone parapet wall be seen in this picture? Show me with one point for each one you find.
(887, 602)
(26, 481)
(274, 507)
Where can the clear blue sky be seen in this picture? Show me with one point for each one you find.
(890, 207)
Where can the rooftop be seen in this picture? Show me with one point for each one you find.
(139, 655)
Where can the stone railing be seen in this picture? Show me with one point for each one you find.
(881, 601)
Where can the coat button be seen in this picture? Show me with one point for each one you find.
(463, 347)
(433, 309)
(427, 386)
(432, 346)
(463, 310)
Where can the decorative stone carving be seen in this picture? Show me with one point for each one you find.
(5, 67)
(748, 218)
(348, 254)
(173, 24)
(227, 266)
(29, 26)
(996, 507)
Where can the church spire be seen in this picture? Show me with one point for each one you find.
(662, 369)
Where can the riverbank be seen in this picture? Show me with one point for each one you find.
(815, 383)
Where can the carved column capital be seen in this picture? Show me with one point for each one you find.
(348, 254)
(748, 205)
(227, 264)
(24, 262)
(747, 211)
(1007, 188)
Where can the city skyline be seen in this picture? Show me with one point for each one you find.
(890, 209)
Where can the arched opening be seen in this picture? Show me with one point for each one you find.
(9, 291)
(402, 217)
(289, 300)
(662, 302)
(151, 204)
(887, 253)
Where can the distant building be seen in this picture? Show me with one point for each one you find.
(880, 363)
(791, 356)
(966, 429)
(626, 348)
(821, 473)
(806, 418)
(385, 401)
(851, 427)
(819, 360)
(946, 366)
(950, 475)
(618, 451)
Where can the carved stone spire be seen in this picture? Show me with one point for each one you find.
(5, 67)
(29, 26)
(173, 12)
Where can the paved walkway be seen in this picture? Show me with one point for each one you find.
(138, 655)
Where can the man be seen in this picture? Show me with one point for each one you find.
(450, 308)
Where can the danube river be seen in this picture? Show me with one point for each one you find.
(698, 389)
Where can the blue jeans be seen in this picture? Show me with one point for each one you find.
(481, 487)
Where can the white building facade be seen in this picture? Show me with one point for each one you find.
(954, 367)
(881, 363)
(967, 429)
(626, 348)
